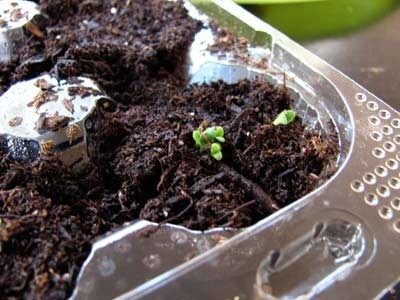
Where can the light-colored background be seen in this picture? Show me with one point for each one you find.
(370, 56)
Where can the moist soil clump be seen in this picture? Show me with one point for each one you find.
(144, 163)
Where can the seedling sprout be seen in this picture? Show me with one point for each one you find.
(285, 117)
(210, 138)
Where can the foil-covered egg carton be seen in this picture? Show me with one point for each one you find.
(44, 115)
(338, 242)
(16, 17)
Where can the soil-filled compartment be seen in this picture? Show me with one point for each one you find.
(144, 161)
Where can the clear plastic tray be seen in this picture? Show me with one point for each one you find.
(338, 242)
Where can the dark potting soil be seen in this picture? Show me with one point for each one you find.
(144, 163)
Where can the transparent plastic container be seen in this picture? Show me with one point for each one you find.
(338, 242)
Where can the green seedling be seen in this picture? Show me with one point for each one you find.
(200, 143)
(285, 117)
(215, 151)
(210, 139)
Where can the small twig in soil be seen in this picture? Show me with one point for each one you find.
(10, 216)
(286, 172)
(186, 195)
(186, 209)
(248, 149)
(236, 209)
(238, 118)
(238, 134)
(205, 182)
(259, 192)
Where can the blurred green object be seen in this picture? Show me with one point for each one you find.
(308, 19)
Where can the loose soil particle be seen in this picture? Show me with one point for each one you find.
(41, 98)
(3, 23)
(16, 121)
(69, 105)
(16, 15)
(82, 91)
(226, 41)
(227, 44)
(53, 123)
(44, 84)
(144, 162)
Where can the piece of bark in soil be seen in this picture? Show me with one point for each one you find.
(224, 198)
(16, 15)
(52, 123)
(258, 191)
(226, 41)
(34, 29)
(3, 23)
(43, 84)
(82, 91)
(41, 98)
(68, 104)
(16, 121)
(46, 147)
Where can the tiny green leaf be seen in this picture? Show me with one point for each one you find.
(202, 146)
(199, 141)
(206, 140)
(219, 131)
(197, 137)
(217, 156)
(215, 148)
(210, 134)
(285, 117)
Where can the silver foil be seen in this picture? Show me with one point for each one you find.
(23, 115)
(14, 16)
